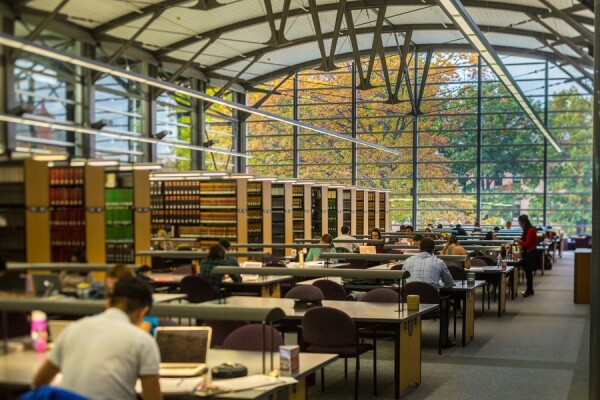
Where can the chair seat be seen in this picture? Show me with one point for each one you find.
(342, 352)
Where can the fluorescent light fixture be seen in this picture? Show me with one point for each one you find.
(305, 182)
(22, 44)
(262, 179)
(176, 174)
(239, 176)
(216, 173)
(106, 133)
(103, 163)
(286, 181)
(147, 166)
(50, 157)
(455, 10)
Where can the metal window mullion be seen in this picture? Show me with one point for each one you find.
(545, 201)
(415, 145)
(149, 127)
(354, 124)
(296, 115)
(479, 136)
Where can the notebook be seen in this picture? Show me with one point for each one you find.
(183, 349)
(367, 249)
(45, 285)
(250, 264)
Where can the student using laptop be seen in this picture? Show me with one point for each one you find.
(376, 235)
(314, 254)
(101, 357)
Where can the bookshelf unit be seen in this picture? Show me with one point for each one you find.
(223, 211)
(175, 206)
(77, 214)
(349, 208)
(301, 208)
(259, 217)
(24, 211)
(361, 215)
(278, 215)
(384, 212)
(332, 211)
(127, 215)
(372, 206)
(319, 213)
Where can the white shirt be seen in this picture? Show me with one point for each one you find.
(102, 356)
(428, 268)
(351, 247)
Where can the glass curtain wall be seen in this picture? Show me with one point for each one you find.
(469, 166)
(174, 124)
(48, 90)
(118, 102)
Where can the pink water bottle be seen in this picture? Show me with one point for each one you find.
(39, 334)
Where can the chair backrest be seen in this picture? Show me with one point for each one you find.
(488, 261)
(328, 327)
(52, 392)
(305, 292)
(183, 270)
(222, 329)
(381, 295)
(397, 266)
(478, 262)
(458, 273)
(358, 264)
(428, 293)
(250, 337)
(331, 290)
(197, 289)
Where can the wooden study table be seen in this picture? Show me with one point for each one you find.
(18, 368)
(461, 291)
(265, 286)
(407, 354)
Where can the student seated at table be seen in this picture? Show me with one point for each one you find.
(70, 279)
(460, 230)
(101, 357)
(453, 248)
(228, 260)
(215, 258)
(345, 235)
(314, 253)
(376, 235)
(163, 242)
(425, 267)
(122, 271)
(491, 235)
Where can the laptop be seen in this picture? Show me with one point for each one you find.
(45, 285)
(367, 249)
(183, 349)
(250, 264)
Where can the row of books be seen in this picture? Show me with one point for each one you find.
(66, 175)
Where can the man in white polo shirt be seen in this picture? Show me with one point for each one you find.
(102, 356)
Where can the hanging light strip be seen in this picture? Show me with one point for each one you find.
(90, 131)
(24, 45)
(469, 28)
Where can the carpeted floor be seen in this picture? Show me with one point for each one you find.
(538, 350)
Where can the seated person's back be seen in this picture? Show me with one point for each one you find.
(314, 254)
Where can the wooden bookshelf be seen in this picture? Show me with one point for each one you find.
(259, 215)
(361, 213)
(24, 211)
(288, 216)
(77, 213)
(301, 208)
(372, 206)
(332, 211)
(319, 207)
(349, 208)
(127, 215)
(384, 210)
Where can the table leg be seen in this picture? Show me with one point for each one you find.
(468, 322)
(298, 390)
(407, 364)
(502, 294)
(271, 290)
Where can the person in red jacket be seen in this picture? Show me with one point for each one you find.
(528, 242)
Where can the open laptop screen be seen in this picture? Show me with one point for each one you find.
(179, 344)
(367, 249)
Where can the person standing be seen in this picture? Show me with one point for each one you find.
(528, 243)
(101, 357)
